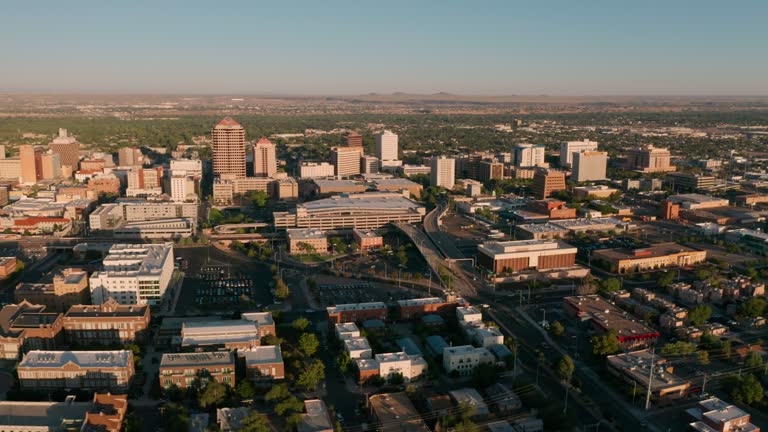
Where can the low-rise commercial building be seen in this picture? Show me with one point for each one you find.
(417, 308)
(653, 257)
(605, 318)
(357, 348)
(347, 330)
(356, 312)
(263, 362)
(105, 413)
(394, 412)
(25, 327)
(465, 358)
(545, 231)
(514, 256)
(636, 367)
(553, 208)
(584, 192)
(84, 370)
(367, 239)
(306, 240)
(7, 266)
(109, 323)
(265, 321)
(398, 184)
(697, 201)
(716, 415)
(183, 370)
(316, 418)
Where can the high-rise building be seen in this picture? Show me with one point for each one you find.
(491, 171)
(31, 164)
(568, 148)
(183, 187)
(130, 156)
(133, 274)
(650, 159)
(346, 160)
(51, 166)
(352, 139)
(589, 166)
(2, 151)
(369, 164)
(145, 182)
(386, 146)
(546, 181)
(228, 148)
(10, 169)
(443, 172)
(529, 155)
(264, 158)
(67, 148)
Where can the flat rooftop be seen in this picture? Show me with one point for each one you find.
(637, 365)
(609, 317)
(369, 200)
(198, 359)
(266, 354)
(396, 413)
(653, 251)
(25, 415)
(420, 301)
(84, 359)
(694, 198)
(522, 246)
(355, 307)
(541, 228)
(304, 233)
(587, 222)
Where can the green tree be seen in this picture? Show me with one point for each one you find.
(213, 394)
(344, 362)
(745, 389)
(678, 348)
(754, 360)
(245, 389)
(300, 324)
(699, 314)
(665, 279)
(277, 392)
(565, 368)
(255, 422)
(484, 375)
(606, 344)
(609, 285)
(259, 198)
(288, 406)
(175, 417)
(726, 350)
(556, 329)
(133, 422)
(752, 308)
(311, 376)
(703, 357)
(281, 289)
(308, 344)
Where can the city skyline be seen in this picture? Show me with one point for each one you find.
(344, 48)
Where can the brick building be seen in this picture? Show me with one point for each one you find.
(263, 362)
(106, 324)
(184, 369)
(25, 327)
(68, 288)
(83, 370)
(356, 312)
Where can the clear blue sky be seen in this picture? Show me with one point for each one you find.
(588, 47)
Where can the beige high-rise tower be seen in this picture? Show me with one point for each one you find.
(31, 164)
(228, 148)
(264, 158)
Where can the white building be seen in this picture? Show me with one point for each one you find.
(183, 188)
(464, 359)
(347, 330)
(369, 164)
(589, 166)
(469, 314)
(529, 155)
(190, 166)
(387, 150)
(316, 170)
(568, 148)
(358, 348)
(410, 366)
(443, 172)
(264, 158)
(134, 274)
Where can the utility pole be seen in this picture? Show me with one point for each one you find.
(704, 386)
(634, 392)
(567, 387)
(650, 382)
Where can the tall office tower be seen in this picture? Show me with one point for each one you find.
(589, 166)
(529, 155)
(568, 148)
(546, 181)
(491, 171)
(228, 148)
(346, 160)
(352, 139)
(31, 164)
(130, 156)
(264, 158)
(369, 164)
(386, 146)
(2, 151)
(67, 148)
(443, 172)
(650, 159)
(51, 166)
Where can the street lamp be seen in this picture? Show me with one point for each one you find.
(543, 315)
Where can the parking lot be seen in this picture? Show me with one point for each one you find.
(332, 291)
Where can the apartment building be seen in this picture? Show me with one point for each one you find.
(442, 172)
(83, 370)
(183, 370)
(106, 324)
(263, 362)
(145, 182)
(589, 166)
(308, 170)
(7, 266)
(546, 182)
(346, 160)
(357, 348)
(134, 274)
(529, 155)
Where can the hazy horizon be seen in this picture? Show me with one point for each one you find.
(345, 48)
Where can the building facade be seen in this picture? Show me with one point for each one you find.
(264, 158)
(183, 370)
(84, 370)
(228, 148)
(589, 166)
(442, 172)
(568, 148)
(134, 274)
(515, 256)
(106, 324)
